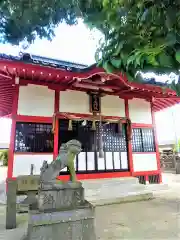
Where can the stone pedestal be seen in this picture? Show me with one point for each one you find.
(62, 213)
(178, 167)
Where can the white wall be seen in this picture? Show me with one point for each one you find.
(74, 102)
(144, 162)
(22, 163)
(78, 102)
(140, 111)
(112, 106)
(36, 100)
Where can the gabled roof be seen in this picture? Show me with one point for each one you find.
(47, 62)
(62, 75)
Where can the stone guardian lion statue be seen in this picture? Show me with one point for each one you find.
(66, 157)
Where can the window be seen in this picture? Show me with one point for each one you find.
(143, 140)
(113, 141)
(34, 137)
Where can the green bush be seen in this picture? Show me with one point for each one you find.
(4, 157)
(176, 147)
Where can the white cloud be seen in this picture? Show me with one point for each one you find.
(71, 43)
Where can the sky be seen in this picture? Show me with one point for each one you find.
(167, 125)
(78, 44)
(71, 43)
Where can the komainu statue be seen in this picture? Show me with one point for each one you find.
(66, 157)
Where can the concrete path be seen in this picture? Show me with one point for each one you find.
(154, 219)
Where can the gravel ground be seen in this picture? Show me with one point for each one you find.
(154, 219)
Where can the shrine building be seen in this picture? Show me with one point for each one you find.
(52, 101)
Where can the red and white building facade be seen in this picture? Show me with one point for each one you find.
(49, 103)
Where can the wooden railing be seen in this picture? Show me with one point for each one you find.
(170, 162)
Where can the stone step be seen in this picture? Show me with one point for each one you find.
(96, 183)
(133, 197)
(115, 189)
(118, 190)
(104, 188)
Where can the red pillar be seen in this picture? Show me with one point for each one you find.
(156, 144)
(13, 132)
(130, 155)
(56, 129)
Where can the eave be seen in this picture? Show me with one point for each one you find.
(95, 79)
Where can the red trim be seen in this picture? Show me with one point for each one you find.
(56, 129)
(34, 119)
(8, 116)
(156, 143)
(59, 79)
(58, 75)
(13, 133)
(51, 86)
(146, 178)
(142, 125)
(97, 175)
(32, 153)
(130, 155)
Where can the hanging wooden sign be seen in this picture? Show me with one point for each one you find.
(95, 103)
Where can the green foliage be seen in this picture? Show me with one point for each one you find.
(28, 19)
(144, 36)
(139, 35)
(176, 147)
(4, 157)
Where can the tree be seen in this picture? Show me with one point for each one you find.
(4, 157)
(139, 35)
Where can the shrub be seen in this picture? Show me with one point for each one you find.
(4, 157)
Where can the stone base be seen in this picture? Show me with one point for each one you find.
(65, 225)
(54, 197)
(178, 168)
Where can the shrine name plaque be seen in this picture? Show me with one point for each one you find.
(95, 103)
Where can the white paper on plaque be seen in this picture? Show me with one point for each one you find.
(117, 163)
(90, 161)
(101, 163)
(82, 161)
(124, 160)
(109, 161)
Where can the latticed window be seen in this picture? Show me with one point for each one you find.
(143, 140)
(113, 141)
(34, 137)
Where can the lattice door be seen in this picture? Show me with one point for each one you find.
(114, 146)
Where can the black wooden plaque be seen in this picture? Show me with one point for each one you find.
(95, 103)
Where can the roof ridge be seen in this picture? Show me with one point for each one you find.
(45, 61)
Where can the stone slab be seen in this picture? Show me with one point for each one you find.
(37, 219)
(28, 183)
(11, 204)
(57, 185)
(60, 199)
(65, 225)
